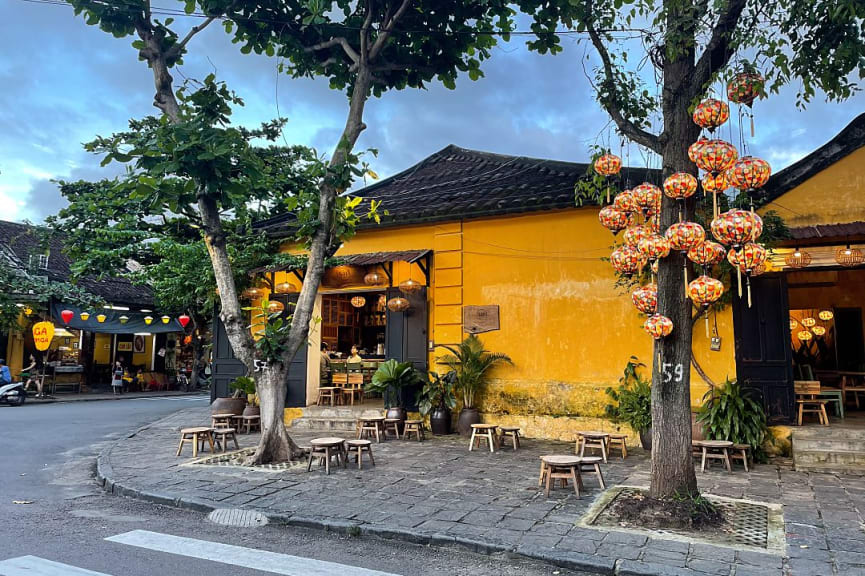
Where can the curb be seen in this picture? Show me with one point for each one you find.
(118, 397)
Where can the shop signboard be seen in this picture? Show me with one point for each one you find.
(43, 333)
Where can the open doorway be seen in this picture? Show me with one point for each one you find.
(354, 320)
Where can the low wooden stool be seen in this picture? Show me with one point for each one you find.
(513, 432)
(483, 432)
(742, 452)
(369, 426)
(249, 422)
(327, 394)
(222, 435)
(326, 448)
(414, 427)
(194, 436)
(617, 442)
(593, 440)
(715, 450)
(391, 425)
(561, 468)
(592, 464)
(359, 447)
(221, 420)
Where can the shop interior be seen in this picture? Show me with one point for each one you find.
(354, 319)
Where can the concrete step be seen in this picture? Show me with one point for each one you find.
(324, 424)
(833, 459)
(343, 412)
(829, 432)
(828, 444)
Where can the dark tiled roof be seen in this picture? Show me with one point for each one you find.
(366, 259)
(848, 230)
(850, 139)
(25, 241)
(456, 183)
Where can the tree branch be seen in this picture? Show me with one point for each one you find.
(627, 127)
(384, 33)
(178, 48)
(364, 30)
(340, 41)
(717, 52)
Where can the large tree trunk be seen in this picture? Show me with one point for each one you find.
(275, 445)
(672, 463)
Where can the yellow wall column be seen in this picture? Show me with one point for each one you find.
(448, 279)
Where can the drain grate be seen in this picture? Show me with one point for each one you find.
(237, 517)
(235, 459)
(749, 522)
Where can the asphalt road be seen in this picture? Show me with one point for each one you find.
(48, 460)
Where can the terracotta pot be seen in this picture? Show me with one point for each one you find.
(251, 410)
(228, 406)
(468, 416)
(440, 421)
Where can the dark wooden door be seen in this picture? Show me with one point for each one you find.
(295, 396)
(406, 336)
(764, 360)
(224, 366)
(849, 340)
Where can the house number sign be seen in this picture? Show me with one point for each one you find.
(478, 319)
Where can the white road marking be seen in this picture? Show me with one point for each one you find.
(263, 560)
(35, 566)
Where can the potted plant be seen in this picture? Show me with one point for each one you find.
(244, 387)
(236, 403)
(730, 412)
(632, 402)
(389, 381)
(471, 363)
(436, 399)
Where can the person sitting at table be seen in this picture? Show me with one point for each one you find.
(324, 366)
(354, 357)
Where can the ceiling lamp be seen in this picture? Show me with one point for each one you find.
(793, 324)
(826, 315)
(285, 288)
(798, 259)
(849, 257)
(410, 286)
(805, 335)
(808, 322)
(819, 331)
(358, 301)
(373, 279)
(398, 304)
(275, 306)
(711, 113)
(252, 293)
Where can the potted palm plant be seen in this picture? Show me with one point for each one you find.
(389, 381)
(436, 399)
(632, 402)
(471, 364)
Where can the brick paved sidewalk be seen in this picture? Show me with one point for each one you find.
(437, 492)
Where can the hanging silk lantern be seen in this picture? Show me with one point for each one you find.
(85, 316)
(805, 335)
(809, 322)
(626, 260)
(707, 254)
(704, 291)
(101, 318)
(746, 87)
(283, 288)
(398, 304)
(166, 319)
(736, 227)
(358, 301)
(67, 316)
(745, 260)
(715, 183)
(410, 286)
(608, 165)
(749, 173)
(694, 149)
(819, 331)
(680, 185)
(826, 315)
(614, 220)
(373, 279)
(624, 201)
(685, 235)
(653, 247)
(634, 234)
(711, 113)
(716, 156)
(658, 326)
(849, 257)
(793, 324)
(184, 320)
(798, 259)
(273, 307)
(646, 299)
(646, 196)
(28, 310)
(148, 320)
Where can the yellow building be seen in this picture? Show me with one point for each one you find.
(479, 229)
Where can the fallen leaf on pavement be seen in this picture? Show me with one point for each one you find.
(22, 501)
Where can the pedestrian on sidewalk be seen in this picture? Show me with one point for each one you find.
(117, 379)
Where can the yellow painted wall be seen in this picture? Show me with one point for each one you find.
(144, 358)
(101, 354)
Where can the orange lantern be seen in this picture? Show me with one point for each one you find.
(704, 291)
(252, 293)
(634, 234)
(624, 201)
(809, 322)
(749, 173)
(746, 87)
(614, 220)
(694, 149)
(819, 331)
(680, 185)
(275, 306)
(685, 235)
(736, 227)
(826, 315)
(398, 304)
(716, 156)
(707, 254)
(646, 298)
(626, 260)
(805, 335)
(711, 113)
(653, 247)
(608, 165)
(285, 288)
(658, 326)
(715, 183)
(358, 301)
(745, 260)
(646, 196)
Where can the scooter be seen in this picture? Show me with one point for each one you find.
(13, 394)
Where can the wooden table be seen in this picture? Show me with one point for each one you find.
(599, 440)
(560, 467)
(717, 450)
(194, 435)
(848, 383)
(327, 448)
(370, 426)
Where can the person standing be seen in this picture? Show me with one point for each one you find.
(117, 378)
(5, 375)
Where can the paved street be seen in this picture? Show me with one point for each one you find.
(72, 528)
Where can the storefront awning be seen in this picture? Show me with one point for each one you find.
(366, 259)
(112, 323)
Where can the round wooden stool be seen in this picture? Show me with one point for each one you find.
(617, 442)
(563, 468)
(222, 435)
(359, 447)
(592, 464)
(391, 426)
(415, 427)
(513, 432)
(592, 440)
(483, 432)
(194, 436)
(221, 420)
(367, 427)
(715, 450)
(326, 448)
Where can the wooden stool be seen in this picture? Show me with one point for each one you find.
(222, 435)
(194, 436)
(366, 427)
(359, 447)
(617, 442)
(483, 432)
(513, 432)
(391, 425)
(562, 468)
(414, 427)
(592, 464)
(592, 440)
(741, 452)
(221, 420)
(715, 450)
(249, 422)
(327, 394)
(326, 448)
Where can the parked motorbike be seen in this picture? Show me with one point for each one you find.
(13, 394)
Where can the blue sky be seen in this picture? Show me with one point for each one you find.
(64, 82)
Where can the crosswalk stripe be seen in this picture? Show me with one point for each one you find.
(263, 560)
(35, 566)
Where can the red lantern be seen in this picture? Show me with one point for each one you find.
(694, 149)
(658, 326)
(711, 113)
(626, 260)
(716, 156)
(67, 316)
(646, 196)
(746, 87)
(646, 298)
(707, 254)
(614, 220)
(705, 290)
(653, 247)
(749, 173)
(624, 201)
(634, 234)
(183, 319)
(685, 235)
(680, 185)
(608, 165)
(736, 227)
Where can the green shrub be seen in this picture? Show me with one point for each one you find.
(730, 413)
(632, 400)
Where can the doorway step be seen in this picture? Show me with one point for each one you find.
(341, 419)
(833, 449)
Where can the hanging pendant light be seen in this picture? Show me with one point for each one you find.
(285, 288)
(165, 319)
(849, 257)
(749, 173)
(653, 247)
(745, 88)
(85, 316)
(707, 253)
(148, 320)
(398, 304)
(101, 318)
(826, 315)
(358, 301)
(275, 306)
(658, 326)
(711, 113)
(685, 235)
(373, 279)
(798, 259)
(793, 324)
(646, 196)
(716, 156)
(410, 286)
(67, 316)
(805, 335)
(252, 293)
(809, 322)
(184, 320)
(608, 165)
(819, 331)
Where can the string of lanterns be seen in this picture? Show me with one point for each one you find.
(68, 315)
(811, 328)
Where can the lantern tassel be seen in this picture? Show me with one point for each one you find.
(752, 125)
(707, 323)
(714, 204)
(608, 192)
(739, 278)
(685, 267)
(749, 292)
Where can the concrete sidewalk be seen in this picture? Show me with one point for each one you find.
(438, 493)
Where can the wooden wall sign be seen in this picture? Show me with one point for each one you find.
(478, 319)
